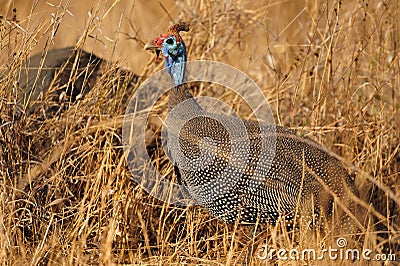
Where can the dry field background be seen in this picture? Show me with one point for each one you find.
(331, 68)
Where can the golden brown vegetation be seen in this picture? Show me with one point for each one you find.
(331, 68)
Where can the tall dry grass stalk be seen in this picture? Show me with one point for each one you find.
(328, 67)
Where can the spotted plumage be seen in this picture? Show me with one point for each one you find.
(295, 177)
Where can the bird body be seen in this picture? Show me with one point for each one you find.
(231, 181)
(242, 169)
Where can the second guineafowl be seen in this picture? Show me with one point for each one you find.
(281, 173)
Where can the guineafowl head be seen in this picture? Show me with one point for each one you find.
(173, 49)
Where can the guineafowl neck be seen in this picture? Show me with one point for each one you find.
(176, 67)
(179, 94)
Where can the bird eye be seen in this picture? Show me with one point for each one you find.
(169, 41)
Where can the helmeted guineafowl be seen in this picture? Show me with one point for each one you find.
(298, 177)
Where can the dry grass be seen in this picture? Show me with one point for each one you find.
(327, 67)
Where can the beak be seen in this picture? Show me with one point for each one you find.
(150, 46)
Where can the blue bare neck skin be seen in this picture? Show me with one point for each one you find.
(175, 62)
